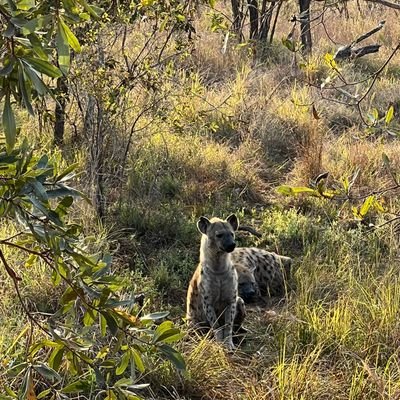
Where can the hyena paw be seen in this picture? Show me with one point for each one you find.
(219, 335)
(229, 344)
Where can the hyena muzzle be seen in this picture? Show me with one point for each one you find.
(212, 298)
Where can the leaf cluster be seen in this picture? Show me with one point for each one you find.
(36, 44)
(89, 342)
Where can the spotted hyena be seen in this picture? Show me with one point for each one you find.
(212, 297)
(260, 272)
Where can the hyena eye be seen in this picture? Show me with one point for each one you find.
(219, 235)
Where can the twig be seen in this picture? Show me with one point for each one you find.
(377, 73)
(349, 51)
(250, 230)
(386, 3)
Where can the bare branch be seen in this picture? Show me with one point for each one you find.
(349, 51)
(249, 229)
(386, 3)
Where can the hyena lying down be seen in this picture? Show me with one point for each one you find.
(212, 297)
(260, 272)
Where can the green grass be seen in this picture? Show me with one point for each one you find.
(225, 136)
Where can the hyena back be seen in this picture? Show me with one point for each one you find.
(212, 297)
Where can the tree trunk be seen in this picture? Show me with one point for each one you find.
(59, 112)
(95, 131)
(305, 26)
(253, 12)
(237, 17)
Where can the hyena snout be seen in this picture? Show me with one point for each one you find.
(247, 291)
(227, 243)
(230, 247)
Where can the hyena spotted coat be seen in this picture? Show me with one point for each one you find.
(212, 297)
(260, 272)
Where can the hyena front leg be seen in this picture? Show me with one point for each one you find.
(229, 314)
(211, 317)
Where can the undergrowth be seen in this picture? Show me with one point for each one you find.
(226, 135)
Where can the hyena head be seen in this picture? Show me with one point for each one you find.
(220, 234)
(247, 285)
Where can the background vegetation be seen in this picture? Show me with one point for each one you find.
(159, 112)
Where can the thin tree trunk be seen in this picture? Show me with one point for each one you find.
(95, 131)
(271, 36)
(237, 17)
(99, 197)
(305, 26)
(253, 13)
(59, 112)
(266, 14)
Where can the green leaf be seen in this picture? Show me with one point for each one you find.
(24, 90)
(56, 357)
(67, 173)
(31, 260)
(103, 325)
(37, 46)
(389, 115)
(385, 160)
(94, 11)
(11, 394)
(63, 205)
(32, 25)
(170, 335)
(110, 395)
(174, 356)
(124, 363)
(47, 372)
(10, 31)
(25, 384)
(162, 328)
(375, 114)
(37, 82)
(89, 317)
(330, 61)
(62, 48)
(43, 67)
(8, 67)
(25, 5)
(71, 38)
(63, 191)
(137, 359)
(292, 191)
(39, 191)
(368, 202)
(10, 128)
(43, 394)
(111, 322)
(290, 44)
(77, 386)
(154, 316)
(147, 3)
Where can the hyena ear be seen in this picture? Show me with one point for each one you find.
(202, 225)
(233, 220)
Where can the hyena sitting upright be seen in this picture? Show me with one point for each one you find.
(212, 297)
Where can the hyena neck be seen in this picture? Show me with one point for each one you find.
(214, 260)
